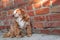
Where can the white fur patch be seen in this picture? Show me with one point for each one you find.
(20, 22)
(15, 14)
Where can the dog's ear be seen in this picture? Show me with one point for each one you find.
(22, 11)
(26, 17)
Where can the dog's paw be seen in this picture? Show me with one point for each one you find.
(29, 35)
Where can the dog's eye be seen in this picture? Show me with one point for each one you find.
(16, 12)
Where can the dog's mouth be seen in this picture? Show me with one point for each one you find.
(14, 17)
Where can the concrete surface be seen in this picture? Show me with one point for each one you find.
(33, 37)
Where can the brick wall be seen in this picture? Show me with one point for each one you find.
(45, 15)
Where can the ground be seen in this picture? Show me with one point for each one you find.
(34, 37)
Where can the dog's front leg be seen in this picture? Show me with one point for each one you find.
(29, 30)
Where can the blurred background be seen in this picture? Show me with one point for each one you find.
(44, 14)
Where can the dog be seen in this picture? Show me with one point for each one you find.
(14, 31)
(21, 21)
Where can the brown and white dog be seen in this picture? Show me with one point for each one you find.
(21, 17)
(22, 21)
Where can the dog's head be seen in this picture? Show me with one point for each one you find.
(20, 13)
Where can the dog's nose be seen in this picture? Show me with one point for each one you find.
(12, 15)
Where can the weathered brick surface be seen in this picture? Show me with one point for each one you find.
(29, 7)
(36, 1)
(38, 25)
(42, 11)
(56, 32)
(18, 2)
(45, 31)
(3, 15)
(53, 17)
(56, 2)
(1, 5)
(55, 9)
(9, 12)
(37, 5)
(39, 18)
(6, 3)
(47, 3)
(31, 13)
(4, 27)
(44, 14)
(52, 24)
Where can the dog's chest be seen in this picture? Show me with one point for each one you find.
(21, 22)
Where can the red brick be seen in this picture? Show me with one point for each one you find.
(29, 7)
(47, 3)
(1, 27)
(0, 14)
(53, 1)
(4, 27)
(9, 12)
(53, 17)
(56, 2)
(6, 3)
(3, 16)
(36, 1)
(18, 2)
(23, 7)
(9, 17)
(55, 9)
(56, 31)
(0, 11)
(52, 24)
(47, 18)
(31, 13)
(6, 22)
(1, 5)
(42, 11)
(37, 25)
(45, 31)
(37, 5)
(39, 18)
(4, 13)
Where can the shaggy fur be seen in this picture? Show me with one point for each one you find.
(21, 21)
